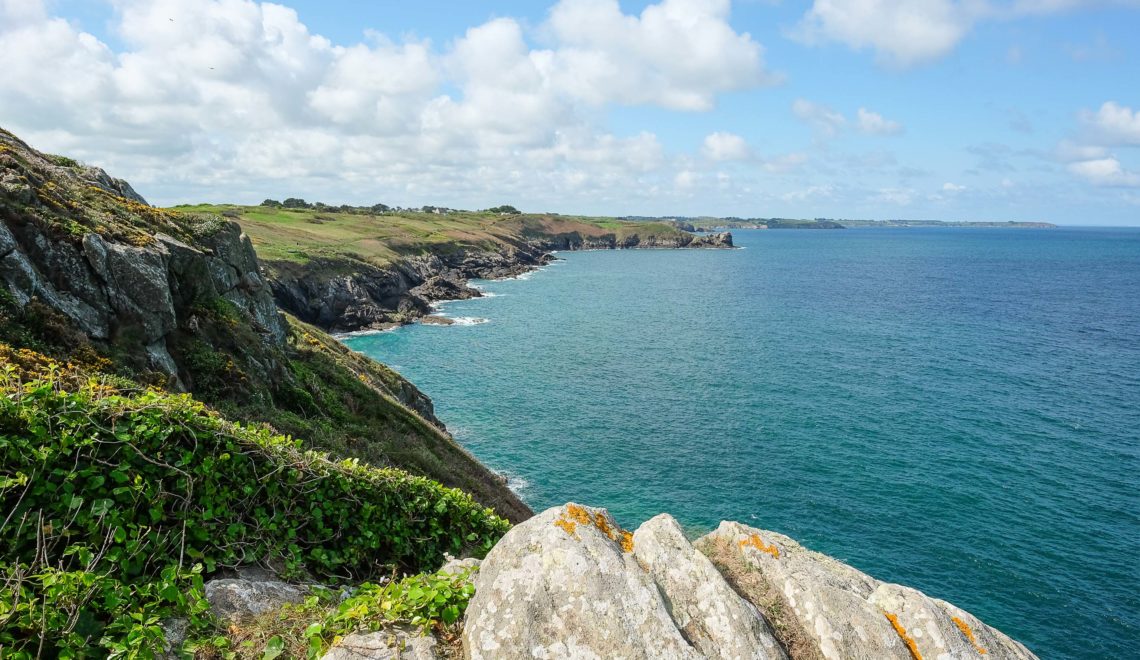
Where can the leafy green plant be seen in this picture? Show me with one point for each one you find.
(433, 602)
(110, 498)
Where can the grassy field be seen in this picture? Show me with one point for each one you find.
(299, 235)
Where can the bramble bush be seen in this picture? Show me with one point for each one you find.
(115, 503)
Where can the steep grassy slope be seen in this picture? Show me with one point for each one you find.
(91, 274)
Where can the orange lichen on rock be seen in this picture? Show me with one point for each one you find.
(567, 525)
(578, 514)
(604, 526)
(969, 633)
(756, 542)
(575, 515)
(907, 639)
(626, 541)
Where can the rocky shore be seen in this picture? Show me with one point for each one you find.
(345, 295)
(571, 583)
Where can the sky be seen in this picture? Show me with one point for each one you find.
(1024, 110)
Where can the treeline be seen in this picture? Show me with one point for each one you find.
(298, 203)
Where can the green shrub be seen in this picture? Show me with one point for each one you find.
(430, 601)
(116, 496)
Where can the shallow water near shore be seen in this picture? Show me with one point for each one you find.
(957, 410)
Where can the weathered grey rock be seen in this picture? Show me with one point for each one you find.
(710, 615)
(561, 585)
(848, 614)
(237, 600)
(16, 188)
(437, 320)
(135, 279)
(828, 597)
(455, 566)
(996, 643)
(25, 282)
(397, 643)
(7, 241)
(174, 633)
(99, 178)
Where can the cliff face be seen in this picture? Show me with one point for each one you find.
(571, 583)
(347, 295)
(90, 273)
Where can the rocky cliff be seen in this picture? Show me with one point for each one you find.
(571, 583)
(347, 294)
(90, 273)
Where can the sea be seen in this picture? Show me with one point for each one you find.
(954, 409)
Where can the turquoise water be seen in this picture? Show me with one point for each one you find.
(953, 409)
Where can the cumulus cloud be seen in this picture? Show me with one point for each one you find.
(677, 54)
(239, 99)
(952, 188)
(908, 33)
(1113, 124)
(721, 146)
(1105, 172)
(901, 33)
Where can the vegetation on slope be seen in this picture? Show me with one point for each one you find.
(117, 498)
(306, 385)
(299, 235)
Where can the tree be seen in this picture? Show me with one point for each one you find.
(296, 203)
(505, 209)
(272, 202)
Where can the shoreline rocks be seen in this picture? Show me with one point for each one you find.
(345, 296)
(571, 583)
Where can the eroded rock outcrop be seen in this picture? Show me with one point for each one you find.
(843, 612)
(570, 583)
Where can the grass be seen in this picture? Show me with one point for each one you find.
(302, 235)
(758, 590)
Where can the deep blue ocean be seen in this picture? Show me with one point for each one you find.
(953, 409)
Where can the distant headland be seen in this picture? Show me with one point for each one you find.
(707, 223)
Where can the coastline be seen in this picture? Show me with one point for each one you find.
(345, 296)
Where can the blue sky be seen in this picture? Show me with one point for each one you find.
(972, 110)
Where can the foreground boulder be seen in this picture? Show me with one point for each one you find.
(821, 607)
(569, 583)
(249, 595)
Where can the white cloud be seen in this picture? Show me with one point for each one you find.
(238, 100)
(678, 53)
(901, 33)
(874, 123)
(1105, 172)
(721, 146)
(907, 33)
(1114, 124)
(952, 188)
(827, 122)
